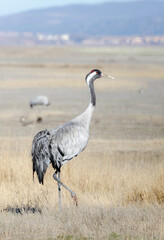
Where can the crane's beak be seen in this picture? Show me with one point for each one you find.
(106, 76)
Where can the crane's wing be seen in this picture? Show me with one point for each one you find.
(68, 141)
(41, 154)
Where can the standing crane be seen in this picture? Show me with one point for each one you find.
(39, 100)
(61, 144)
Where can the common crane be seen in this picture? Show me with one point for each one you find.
(59, 145)
(39, 100)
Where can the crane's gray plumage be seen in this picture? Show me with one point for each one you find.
(61, 144)
(39, 100)
(41, 154)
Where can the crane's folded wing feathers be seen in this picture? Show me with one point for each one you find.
(71, 138)
(41, 154)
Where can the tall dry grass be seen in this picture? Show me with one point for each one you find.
(120, 195)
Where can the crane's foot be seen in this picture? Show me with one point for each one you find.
(73, 195)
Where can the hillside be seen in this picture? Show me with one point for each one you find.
(116, 19)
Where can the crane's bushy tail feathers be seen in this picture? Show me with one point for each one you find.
(41, 154)
(40, 167)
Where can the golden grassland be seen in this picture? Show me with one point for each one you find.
(118, 192)
(118, 179)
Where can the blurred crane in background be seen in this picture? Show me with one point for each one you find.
(39, 100)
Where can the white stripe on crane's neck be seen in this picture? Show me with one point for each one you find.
(90, 83)
(90, 76)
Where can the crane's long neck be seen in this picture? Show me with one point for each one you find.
(86, 116)
(89, 111)
(92, 94)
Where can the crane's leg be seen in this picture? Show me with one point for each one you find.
(73, 194)
(59, 188)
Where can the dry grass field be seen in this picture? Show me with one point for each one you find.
(119, 178)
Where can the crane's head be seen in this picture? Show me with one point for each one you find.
(94, 74)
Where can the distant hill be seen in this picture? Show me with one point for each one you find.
(116, 19)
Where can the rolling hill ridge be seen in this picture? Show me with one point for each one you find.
(115, 19)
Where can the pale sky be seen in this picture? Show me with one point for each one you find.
(15, 6)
